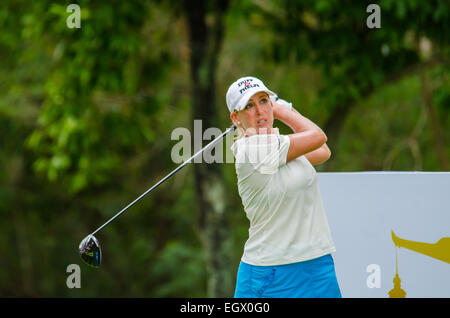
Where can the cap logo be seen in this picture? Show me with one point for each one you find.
(247, 85)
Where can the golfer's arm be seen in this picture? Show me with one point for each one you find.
(320, 155)
(307, 136)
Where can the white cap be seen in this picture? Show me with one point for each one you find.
(242, 90)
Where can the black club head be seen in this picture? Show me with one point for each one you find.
(90, 251)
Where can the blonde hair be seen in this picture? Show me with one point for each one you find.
(238, 128)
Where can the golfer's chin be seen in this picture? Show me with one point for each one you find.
(264, 128)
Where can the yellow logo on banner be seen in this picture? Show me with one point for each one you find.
(439, 250)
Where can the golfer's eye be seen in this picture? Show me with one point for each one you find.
(248, 106)
(264, 100)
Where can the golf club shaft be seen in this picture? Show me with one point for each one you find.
(167, 177)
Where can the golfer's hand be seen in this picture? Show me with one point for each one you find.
(279, 103)
(276, 109)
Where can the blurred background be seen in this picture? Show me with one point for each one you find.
(86, 116)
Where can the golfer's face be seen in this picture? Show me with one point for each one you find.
(257, 114)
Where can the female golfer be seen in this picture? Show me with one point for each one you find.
(288, 252)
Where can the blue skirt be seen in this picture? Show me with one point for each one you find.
(314, 278)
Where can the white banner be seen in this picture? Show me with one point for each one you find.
(370, 213)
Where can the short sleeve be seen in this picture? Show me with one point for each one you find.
(263, 153)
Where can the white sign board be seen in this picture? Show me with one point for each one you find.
(363, 208)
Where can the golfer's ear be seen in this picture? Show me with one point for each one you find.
(233, 117)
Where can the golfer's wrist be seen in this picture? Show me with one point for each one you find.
(282, 113)
(296, 121)
(284, 104)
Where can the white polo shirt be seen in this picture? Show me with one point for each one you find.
(282, 202)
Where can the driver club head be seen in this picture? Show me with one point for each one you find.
(90, 251)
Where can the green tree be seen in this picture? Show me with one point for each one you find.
(354, 59)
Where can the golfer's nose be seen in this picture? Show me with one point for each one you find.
(258, 108)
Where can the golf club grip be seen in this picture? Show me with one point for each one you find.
(233, 127)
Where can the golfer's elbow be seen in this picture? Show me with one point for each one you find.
(324, 149)
(318, 138)
(322, 137)
(327, 152)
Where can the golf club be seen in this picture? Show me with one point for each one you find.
(89, 248)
